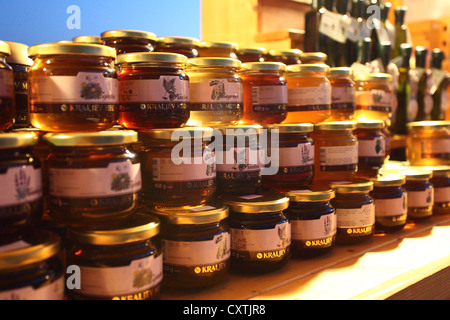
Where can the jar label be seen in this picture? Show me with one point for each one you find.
(316, 229)
(354, 218)
(435, 149)
(339, 158)
(20, 185)
(441, 195)
(239, 159)
(293, 160)
(374, 100)
(372, 148)
(139, 279)
(189, 170)
(51, 291)
(84, 88)
(309, 98)
(391, 207)
(269, 99)
(6, 83)
(421, 199)
(343, 98)
(216, 94)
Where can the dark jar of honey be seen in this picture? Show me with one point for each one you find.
(119, 262)
(260, 232)
(126, 41)
(7, 103)
(178, 168)
(313, 221)
(343, 104)
(21, 199)
(223, 49)
(93, 178)
(291, 154)
(355, 211)
(420, 192)
(196, 245)
(72, 87)
(264, 92)
(251, 54)
(441, 185)
(287, 56)
(153, 90)
(30, 268)
(186, 46)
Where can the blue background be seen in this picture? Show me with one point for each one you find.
(39, 21)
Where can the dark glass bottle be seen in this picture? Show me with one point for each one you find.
(384, 55)
(424, 99)
(400, 30)
(440, 96)
(364, 47)
(374, 34)
(341, 57)
(352, 43)
(312, 22)
(403, 91)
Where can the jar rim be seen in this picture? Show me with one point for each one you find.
(375, 76)
(19, 54)
(432, 124)
(370, 124)
(181, 40)
(314, 56)
(128, 34)
(354, 186)
(291, 127)
(214, 62)
(251, 50)
(286, 53)
(218, 44)
(84, 139)
(389, 179)
(186, 215)
(416, 174)
(439, 170)
(315, 67)
(224, 129)
(17, 139)
(166, 133)
(335, 125)
(142, 57)
(310, 194)
(4, 48)
(257, 203)
(263, 66)
(340, 71)
(71, 48)
(88, 39)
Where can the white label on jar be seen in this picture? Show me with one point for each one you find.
(343, 95)
(301, 155)
(420, 199)
(138, 276)
(20, 185)
(84, 88)
(372, 148)
(339, 155)
(197, 253)
(269, 95)
(437, 148)
(441, 195)
(6, 83)
(310, 96)
(164, 169)
(216, 91)
(360, 217)
(391, 207)
(119, 178)
(165, 89)
(375, 100)
(315, 229)
(261, 239)
(52, 291)
(241, 159)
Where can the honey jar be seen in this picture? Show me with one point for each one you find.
(72, 87)
(251, 54)
(343, 103)
(93, 178)
(126, 41)
(88, 39)
(7, 103)
(428, 143)
(224, 49)
(119, 262)
(292, 154)
(287, 56)
(420, 192)
(260, 232)
(265, 92)
(309, 93)
(313, 57)
(374, 96)
(215, 91)
(196, 245)
(153, 90)
(178, 168)
(335, 151)
(355, 211)
(441, 185)
(186, 46)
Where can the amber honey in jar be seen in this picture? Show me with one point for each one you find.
(371, 147)
(7, 103)
(291, 154)
(309, 93)
(93, 177)
(374, 96)
(343, 103)
(153, 90)
(178, 168)
(355, 210)
(260, 232)
(265, 92)
(428, 143)
(88, 39)
(123, 261)
(313, 221)
(31, 269)
(126, 41)
(335, 151)
(420, 192)
(441, 185)
(72, 87)
(286, 56)
(313, 57)
(251, 54)
(196, 245)
(186, 46)
(224, 49)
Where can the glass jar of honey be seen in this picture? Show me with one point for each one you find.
(186, 46)
(224, 49)
(313, 57)
(343, 103)
(313, 221)
(178, 168)
(428, 143)
(260, 232)
(126, 41)
(251, 54)
(21, 182)
(390, 198)
(309, 93)
(291, 155)
(420, 192)
(93, 178)
(374, 96)
(88, 39)
(127, 251)
(215, 90)
(30, 268)
(441, 185)
(72, 87)
(196, 245)
(7, 103)
(355, 210)
(153, 90)
(371, 147)
(335, 151)
(287, 56)
(265, 92)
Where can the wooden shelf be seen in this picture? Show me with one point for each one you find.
(413, 263)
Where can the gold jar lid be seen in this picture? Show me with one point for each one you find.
(138, 227)
(214, 62)
(340, 71)
(263, 66)
(335, 125)
(429, 125)
(179, 40)
(370, 124)
(239, 130)
(142, 57)
(17, 139)
(310, 194)
(291, 127)
(256, 203)
(412, 174)
(219, 44)
(208, 213)
(70, 48)
(176, 133)
(84, 139)
(438, 170)
(354, 186)
(388, 180)
(313, 56)
(88, 39)
(128, 34)
(34, 247)
(288, 53)
(250, 50)
(4, 48)
(19, 54)
(375, 76)
(311, 67)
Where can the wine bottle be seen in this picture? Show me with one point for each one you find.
(312, 23)
(403, 91)
(424, 99)
(341, 53)
(400, 30)
(352, 39)
(440, 86)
